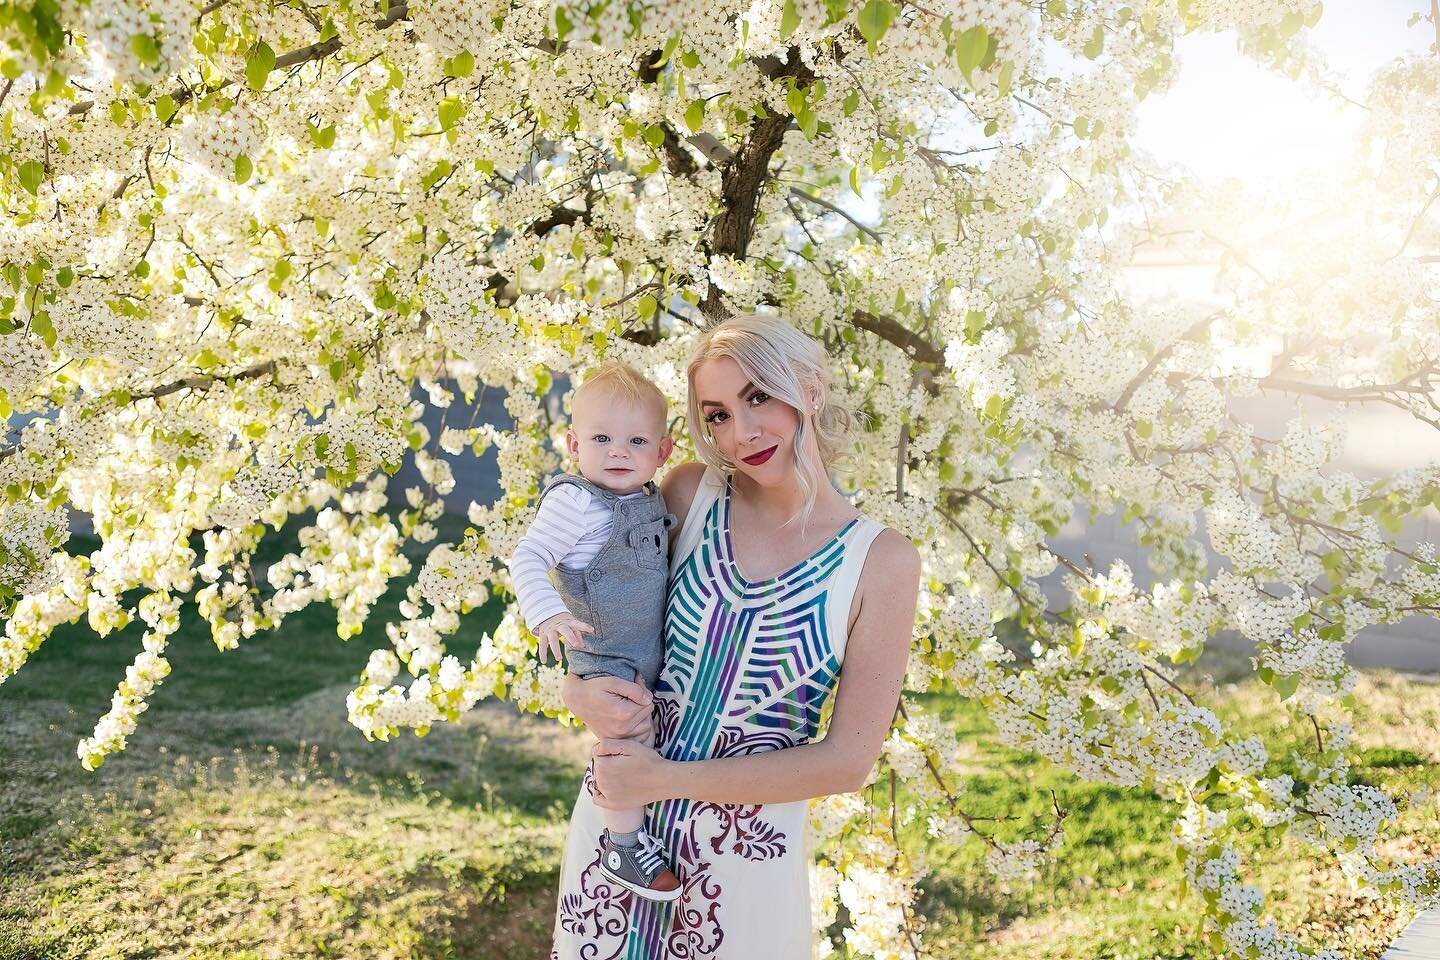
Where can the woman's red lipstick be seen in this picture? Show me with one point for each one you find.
(759, 458)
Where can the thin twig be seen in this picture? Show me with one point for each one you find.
(822, 202)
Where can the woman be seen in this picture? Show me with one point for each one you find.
(776, 580)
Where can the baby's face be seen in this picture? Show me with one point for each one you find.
(617, 443)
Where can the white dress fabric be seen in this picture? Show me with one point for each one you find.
(749, 667)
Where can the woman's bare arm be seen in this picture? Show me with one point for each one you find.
(870, 682)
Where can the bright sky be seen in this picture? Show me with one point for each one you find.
(1226, 116)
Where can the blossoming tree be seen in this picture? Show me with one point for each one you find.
(238, 236)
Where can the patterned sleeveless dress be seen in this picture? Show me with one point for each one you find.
(749, 667)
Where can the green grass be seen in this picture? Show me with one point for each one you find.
(248, 819)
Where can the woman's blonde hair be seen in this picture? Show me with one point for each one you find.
(782, 362)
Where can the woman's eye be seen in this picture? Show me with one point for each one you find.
(716, 417)
(758, 397)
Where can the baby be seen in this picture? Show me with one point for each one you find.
(605, 534)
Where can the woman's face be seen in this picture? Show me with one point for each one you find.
(752, 429)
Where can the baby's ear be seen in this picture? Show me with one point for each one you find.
(666, 446)
(572, 444)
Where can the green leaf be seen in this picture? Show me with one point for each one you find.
(851, 102)
(874, 20)
(460, 65)
(1096, 46)
(322, 137)
(795, 101)
(1007, 77)
(646, 306)
(146, 50)
(32, 174)
(243, 168)
(440, 171)
(451, 110)
(165, 108)
(1082, 127)
(41, 326)
(855, 180)
(695, 115)
(669, 50)
(258, 65)
(789, 20)
(970, 49)
(655, 135)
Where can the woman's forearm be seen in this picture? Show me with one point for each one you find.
(776, 776)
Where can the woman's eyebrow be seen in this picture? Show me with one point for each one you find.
(749, 387)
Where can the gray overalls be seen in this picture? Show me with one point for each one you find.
(621, 593)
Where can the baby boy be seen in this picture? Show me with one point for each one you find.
(605, 534)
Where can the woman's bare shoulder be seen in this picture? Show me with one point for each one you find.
(886, 595)
(678, 488)
(893, 561)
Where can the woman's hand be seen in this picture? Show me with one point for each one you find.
(610, 707)
(627, 774)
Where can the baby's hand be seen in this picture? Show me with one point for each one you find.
(561, 628)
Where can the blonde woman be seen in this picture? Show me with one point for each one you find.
(782, 595)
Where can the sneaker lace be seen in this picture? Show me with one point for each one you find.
(649, 857)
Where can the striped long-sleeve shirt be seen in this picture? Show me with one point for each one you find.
(570, 528)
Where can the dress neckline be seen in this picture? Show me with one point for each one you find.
(729, 544)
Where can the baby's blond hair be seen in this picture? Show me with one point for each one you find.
(624, 381)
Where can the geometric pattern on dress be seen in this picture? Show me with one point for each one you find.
(748, 667)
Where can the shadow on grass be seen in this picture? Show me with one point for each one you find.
(247, 817)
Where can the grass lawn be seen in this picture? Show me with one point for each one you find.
(248, 819)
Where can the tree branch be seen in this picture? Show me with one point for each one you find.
(1140, 378)
(743, 179)
(1415, 224)
(316, 51)
(889, 329)
(205, 381)
(1368, 392)
(819, 202)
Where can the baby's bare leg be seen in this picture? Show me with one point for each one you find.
(630, 820)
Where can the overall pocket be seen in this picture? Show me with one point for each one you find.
(651, 542)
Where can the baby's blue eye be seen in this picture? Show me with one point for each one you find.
(601, 438)
(638, 441)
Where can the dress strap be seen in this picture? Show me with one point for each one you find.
(711, 486)
(846, 578)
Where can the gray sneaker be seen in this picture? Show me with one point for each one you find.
(640, 868)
